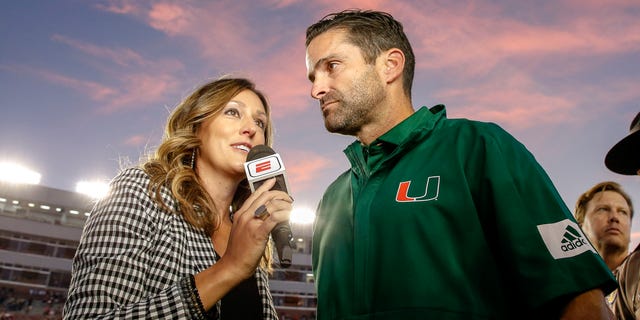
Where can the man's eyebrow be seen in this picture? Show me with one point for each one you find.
(312, 71)
(318, 63)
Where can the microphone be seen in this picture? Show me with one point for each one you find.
(263, 163)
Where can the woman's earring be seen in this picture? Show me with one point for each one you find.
(193, 159)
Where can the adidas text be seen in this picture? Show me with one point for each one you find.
(574, 245)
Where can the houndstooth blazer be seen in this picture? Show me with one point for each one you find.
(136, 260)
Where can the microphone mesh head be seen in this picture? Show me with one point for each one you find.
(259, 151)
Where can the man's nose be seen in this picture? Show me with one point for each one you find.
(319, 88)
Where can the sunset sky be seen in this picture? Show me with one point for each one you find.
(86, 86)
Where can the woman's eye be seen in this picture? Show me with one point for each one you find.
(260, 124)
(231, 111)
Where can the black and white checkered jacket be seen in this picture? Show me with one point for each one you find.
(136, 260)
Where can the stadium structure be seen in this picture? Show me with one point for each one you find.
(40, 228)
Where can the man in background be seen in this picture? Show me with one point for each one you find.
(623, 158)
(604, 213)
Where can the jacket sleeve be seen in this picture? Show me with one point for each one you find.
(111, 273)
(528, 223)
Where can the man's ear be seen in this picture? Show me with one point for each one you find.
(393, 64)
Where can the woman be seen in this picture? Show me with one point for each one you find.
(177, 237)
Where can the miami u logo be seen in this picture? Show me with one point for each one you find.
(430, 191)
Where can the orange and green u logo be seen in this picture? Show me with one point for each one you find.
(430, 192)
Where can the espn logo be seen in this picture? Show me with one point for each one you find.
(264, 166)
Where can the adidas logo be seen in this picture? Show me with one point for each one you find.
(564, 239)
(572, 239)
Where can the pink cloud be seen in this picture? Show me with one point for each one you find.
(598, 5)
(122, 57)
(512, 101)
(94, 90)
(170, 18)
(598, 103)
(136, 141)
(284, 80)
(140, 90)
(303, 168)
(493, 62)
(585, 36)
(137, 89)
(464, 40)
(473, 38)
(118, 7)
(284, 3)
(139, 81)
(226, 37)
(338, 5)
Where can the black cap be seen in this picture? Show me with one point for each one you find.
(624, 157)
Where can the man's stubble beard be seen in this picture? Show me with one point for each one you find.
(357, 107)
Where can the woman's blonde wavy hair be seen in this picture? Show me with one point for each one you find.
(171, 165)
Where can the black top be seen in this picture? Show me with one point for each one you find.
(243, 301)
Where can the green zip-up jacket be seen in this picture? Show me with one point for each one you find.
(447, 219)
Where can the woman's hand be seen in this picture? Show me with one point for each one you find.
(252, 224)
(247, 242)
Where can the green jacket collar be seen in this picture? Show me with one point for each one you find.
(419, 124)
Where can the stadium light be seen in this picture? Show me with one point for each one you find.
(16, 173)
(302, 215)
(95, 189)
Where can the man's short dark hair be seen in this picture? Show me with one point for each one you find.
(372, 32)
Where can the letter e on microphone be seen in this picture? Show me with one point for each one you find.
(262, 169)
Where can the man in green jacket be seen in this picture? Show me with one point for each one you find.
(437, 218)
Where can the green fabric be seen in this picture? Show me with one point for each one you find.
(441, 221)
